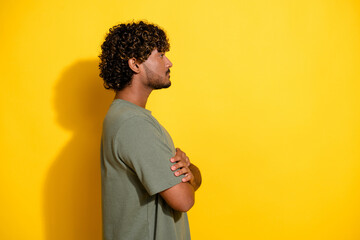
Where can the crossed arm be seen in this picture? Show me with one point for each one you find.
(181, 197)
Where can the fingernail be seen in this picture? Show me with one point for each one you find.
(173, 168)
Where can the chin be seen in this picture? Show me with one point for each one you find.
(159, 84)
(156, 87)
(168, 84)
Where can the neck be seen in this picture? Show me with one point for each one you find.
(134, 96)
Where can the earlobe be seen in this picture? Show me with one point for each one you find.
(134, 65)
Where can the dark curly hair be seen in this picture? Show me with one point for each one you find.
(123, 42)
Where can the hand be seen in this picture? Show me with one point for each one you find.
(182, 163)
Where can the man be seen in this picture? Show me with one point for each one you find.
(147, 184)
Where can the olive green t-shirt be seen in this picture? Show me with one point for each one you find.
(135, 167)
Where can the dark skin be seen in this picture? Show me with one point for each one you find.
(181, 197)
(184, 167)
(152, 74)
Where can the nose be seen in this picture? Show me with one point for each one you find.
(168, 63)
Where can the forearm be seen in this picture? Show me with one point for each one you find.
(196, 182)
(180, 197)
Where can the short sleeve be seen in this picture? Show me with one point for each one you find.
(144, 148)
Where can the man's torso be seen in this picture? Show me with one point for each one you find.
(135, 167)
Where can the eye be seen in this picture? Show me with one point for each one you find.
(162, 54)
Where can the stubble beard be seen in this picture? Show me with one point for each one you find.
(155, 81)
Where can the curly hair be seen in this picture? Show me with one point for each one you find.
(123, 42)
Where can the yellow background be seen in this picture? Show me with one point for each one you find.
(265, 100)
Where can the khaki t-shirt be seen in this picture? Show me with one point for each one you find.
(135, 167)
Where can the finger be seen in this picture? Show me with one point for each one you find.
(178, 151)
(180, 164)
(182, 171)
(187, 178)
(178, 154)
(176, 158)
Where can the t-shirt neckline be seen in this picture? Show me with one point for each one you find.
(131, 104)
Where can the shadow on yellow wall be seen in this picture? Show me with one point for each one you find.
(72, 193)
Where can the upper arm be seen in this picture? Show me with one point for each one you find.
(180, 197)
(143, 148)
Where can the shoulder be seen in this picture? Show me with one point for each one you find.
(122, 114)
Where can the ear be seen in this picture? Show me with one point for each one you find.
(134, 65)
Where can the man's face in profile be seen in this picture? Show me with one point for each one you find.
(157, 70)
